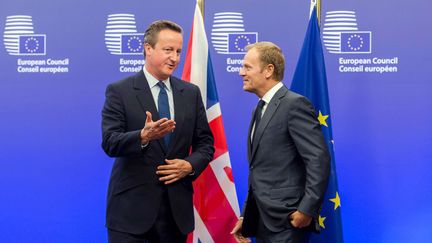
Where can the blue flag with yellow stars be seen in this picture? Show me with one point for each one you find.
(310, 80)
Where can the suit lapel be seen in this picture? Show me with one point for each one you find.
(268, 114)
(179, 104)
(145, 99)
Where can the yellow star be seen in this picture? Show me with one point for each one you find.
(322, 119)
(336, 201)
(321, 221)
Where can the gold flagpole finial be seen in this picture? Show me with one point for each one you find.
(201, 6)
(316, 4)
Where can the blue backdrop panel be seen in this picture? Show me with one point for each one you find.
(57, 58)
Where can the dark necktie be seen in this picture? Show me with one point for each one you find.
(257, 117)
(163, 106)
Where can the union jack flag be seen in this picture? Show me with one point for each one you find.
(215, 199)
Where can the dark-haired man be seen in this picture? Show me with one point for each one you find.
(156, 127)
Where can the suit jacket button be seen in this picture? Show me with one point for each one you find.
(252, 167)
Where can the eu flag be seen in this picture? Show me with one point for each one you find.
(33, 44)
(237, 42)
(310, 80)
(356, 42)
(132, 44)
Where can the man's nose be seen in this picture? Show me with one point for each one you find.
(241, 72)
(175, 56)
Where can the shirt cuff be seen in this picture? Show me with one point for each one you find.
(143, 146)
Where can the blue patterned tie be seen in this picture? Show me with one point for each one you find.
(163, 106)
(257, 117)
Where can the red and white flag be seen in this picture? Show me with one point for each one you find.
(215, 199)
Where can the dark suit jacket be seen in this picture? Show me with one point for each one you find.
(289, 164)
(134, 192)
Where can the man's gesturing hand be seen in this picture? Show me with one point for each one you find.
(155, 130)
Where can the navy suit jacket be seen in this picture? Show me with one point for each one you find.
(289, 164)
(134, 192)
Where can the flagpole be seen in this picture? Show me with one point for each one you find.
(201, 7)
(317, 4)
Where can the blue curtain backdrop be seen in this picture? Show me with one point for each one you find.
(58, 56)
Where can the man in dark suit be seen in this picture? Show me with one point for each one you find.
(288, 158)
(156, 127)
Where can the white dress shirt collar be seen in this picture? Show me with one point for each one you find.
(269, 95)
(154, 89)
(152, 81)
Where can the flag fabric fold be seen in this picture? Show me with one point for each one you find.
(310, 80)
(215, 199)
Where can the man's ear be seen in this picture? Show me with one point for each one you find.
(147, 48)
(268, 71)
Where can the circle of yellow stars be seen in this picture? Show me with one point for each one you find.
(27, 44)
(237, 41)
(359, 38)
(129, 44)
